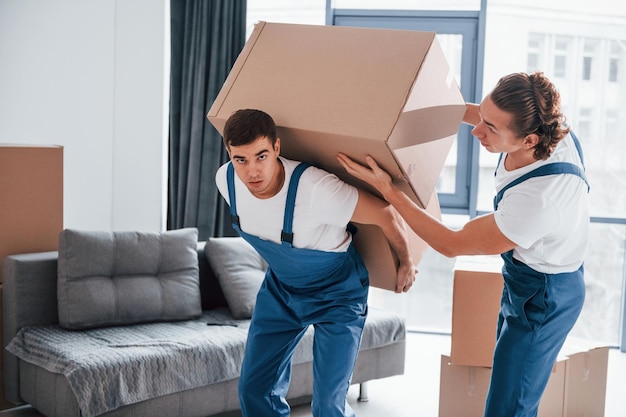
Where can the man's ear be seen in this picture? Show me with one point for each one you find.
(531, 140)
(277, 146)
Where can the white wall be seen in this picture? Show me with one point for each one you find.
(92, 76)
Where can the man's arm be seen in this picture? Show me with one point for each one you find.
(480, 236)
(372, 210)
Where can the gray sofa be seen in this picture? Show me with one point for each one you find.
(145, 324)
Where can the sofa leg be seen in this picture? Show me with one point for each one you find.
(363, 393)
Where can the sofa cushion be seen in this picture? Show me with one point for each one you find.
(239, 269)
(117, 278)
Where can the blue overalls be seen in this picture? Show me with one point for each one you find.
(537, 311)
(302, 287)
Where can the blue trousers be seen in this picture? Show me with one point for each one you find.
(274, 333)
(535, 318)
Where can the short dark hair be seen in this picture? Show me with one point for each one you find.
(535, 104)
(247, 125)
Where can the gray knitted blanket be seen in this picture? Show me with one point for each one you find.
(110, 367)
(115, 366)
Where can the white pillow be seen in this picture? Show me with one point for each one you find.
(240, 271)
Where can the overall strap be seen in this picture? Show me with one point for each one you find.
(287, 232)
(548, 169)
(230, 181)
(578, 147)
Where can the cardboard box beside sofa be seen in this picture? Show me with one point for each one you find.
(31, 207)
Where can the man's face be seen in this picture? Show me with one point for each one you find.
(257, 166)
(493, 131)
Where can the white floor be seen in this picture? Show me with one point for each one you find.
(416, 393)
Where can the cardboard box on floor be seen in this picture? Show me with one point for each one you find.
(386, 93)
(476, 294)
(587, 367)
(577, 386)
(463, 390)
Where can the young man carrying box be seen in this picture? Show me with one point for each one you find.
(296, 216)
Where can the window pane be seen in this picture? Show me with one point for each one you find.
(533, 62)
(561, 52)
(584, 123)
(613, 69)
(586, 68)
(604, 279)
(617, 53)
(560, 62)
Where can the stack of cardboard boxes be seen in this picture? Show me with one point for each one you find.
(577, 386)
(31, 208)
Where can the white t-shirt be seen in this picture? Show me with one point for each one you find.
(324, 206)
(547, 217)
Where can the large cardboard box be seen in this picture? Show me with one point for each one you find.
(577, 386)
(386, 93)
(31, 196)
(476, 294)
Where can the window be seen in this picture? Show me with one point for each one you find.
(560, 62)
(561, 51)
(590, 48)
(616, 55)
(535, 47)
(584, 123)
(587, 68)
(613, 69)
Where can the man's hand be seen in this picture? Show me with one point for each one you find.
(374, 175)
(405, 277)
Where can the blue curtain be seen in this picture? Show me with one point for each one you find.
(206, 38)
